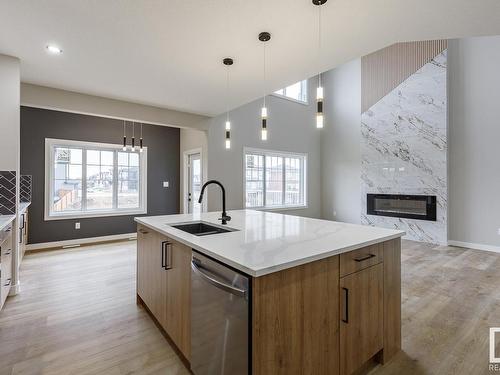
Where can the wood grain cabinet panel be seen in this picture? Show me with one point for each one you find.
(362, 317)
(357, 260)
(164, 284)
(151, 275)
(178, 319)
(296, 320)
(392, 299)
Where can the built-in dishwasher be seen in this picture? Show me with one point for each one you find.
(219, 318)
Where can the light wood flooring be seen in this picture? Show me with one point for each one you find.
(77, 314)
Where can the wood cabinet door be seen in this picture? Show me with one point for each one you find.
(151, 273)
(178, 319)
(361, 314)
(144, 244)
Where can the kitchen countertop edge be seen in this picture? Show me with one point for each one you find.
(265, 270)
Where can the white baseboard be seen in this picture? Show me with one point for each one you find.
(80, 241)
(476, 246)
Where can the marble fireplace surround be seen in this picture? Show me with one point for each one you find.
(404, 149)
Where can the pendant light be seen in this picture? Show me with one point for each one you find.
(133, 136)
(124, 148)
(140, 141)
(319, 90)
(227, 62)
(264, 37)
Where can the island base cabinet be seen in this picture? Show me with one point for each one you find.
(178, 318)
(362, 317)
(151, 275)
(296, 320)
(164, 284)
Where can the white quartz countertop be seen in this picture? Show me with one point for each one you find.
(267, 242)
(6, 220)
(23, 206)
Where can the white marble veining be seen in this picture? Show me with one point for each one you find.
(404, 149)
(6, 220)
(267, 242)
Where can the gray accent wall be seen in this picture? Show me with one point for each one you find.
(474, 137)
(291, 127)
(163, 165)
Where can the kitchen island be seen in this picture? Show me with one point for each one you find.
(323, 297)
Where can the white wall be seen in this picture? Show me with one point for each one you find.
(291, 128)
(68, 101)
(474, 139)
(192, 139)
(340, 144)
(9, 113)
(10, 135)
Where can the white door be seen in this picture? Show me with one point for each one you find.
(194, 182)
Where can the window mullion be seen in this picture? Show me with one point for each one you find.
(115, 179)
(84, 180)
(264, 177)
(283, 181)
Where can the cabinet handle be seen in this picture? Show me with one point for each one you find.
(366, 257)
(8, 282)
(142, 231)
(345, 317)
(163, 254)
(168, 255)
(22, 215)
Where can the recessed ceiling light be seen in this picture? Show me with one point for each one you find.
(54, 49)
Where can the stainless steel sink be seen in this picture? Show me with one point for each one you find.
(201, 228)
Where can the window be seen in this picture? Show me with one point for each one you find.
(274, 179)
(93, 179)
(297, 92)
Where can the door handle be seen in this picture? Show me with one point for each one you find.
(166, 255)
(7, 283)
(363, 258)
(345, 312)
(197, 269)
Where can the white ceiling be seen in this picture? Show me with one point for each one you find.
(168, 53)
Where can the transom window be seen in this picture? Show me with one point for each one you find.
(297, 92)
(93, 179)
(274, 179)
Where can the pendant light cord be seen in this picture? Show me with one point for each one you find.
(264, 74)
(319, 44)
(227, 92)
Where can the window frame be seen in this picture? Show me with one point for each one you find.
(304, 84)
(51, 143)
(283, 154)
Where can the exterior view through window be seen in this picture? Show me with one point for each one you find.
(297, 91)
(274, 179)
(93, 179)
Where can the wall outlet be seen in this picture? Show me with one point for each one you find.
(334, 213)
(499, 231)
(165, 184)
(77, 225)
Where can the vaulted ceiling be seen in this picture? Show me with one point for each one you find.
(168, 53)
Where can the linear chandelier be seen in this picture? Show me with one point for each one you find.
(132, 147)
(227, 62)
(264, 37)
(319, 90)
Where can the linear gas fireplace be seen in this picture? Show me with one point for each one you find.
(421, 207)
